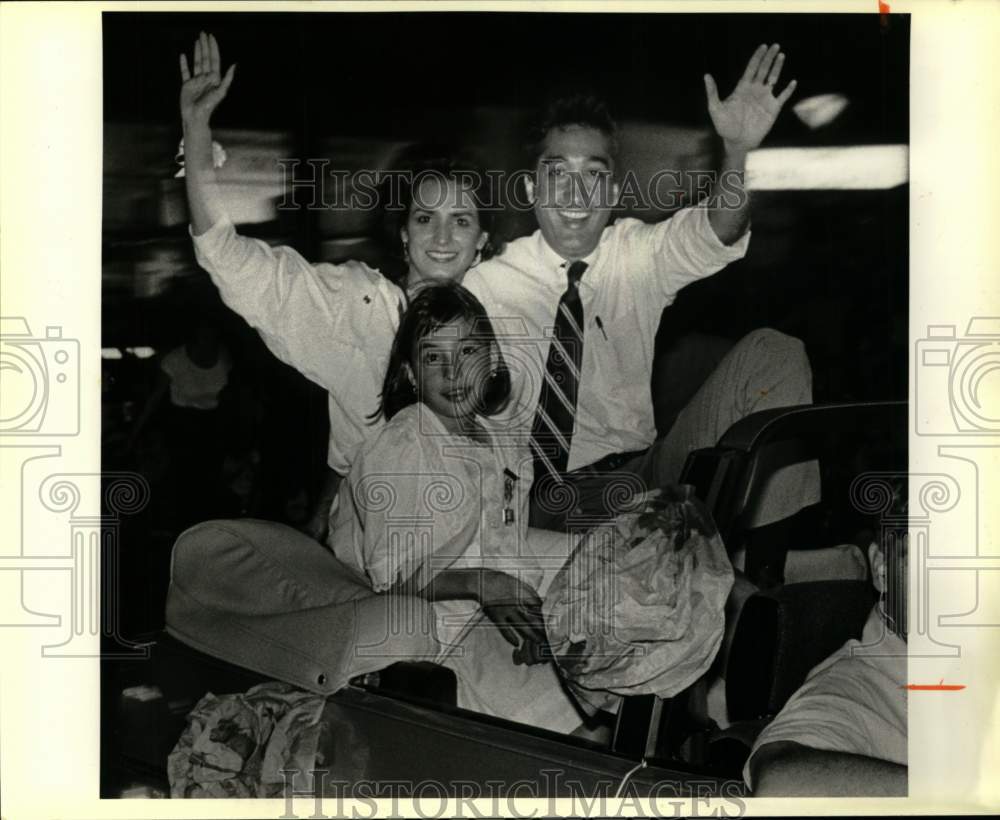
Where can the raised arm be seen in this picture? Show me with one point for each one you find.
(307, 315)
(786, 769)
(742, 120)
(201, 92)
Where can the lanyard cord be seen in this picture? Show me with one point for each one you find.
(628, 776)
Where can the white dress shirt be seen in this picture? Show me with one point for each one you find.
(635, 271)
(852, 703)
(333, 323)
(420, 500)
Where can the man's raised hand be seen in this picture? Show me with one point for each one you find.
(745, 117)
(204, 88)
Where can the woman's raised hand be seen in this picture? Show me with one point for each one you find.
(204, 88)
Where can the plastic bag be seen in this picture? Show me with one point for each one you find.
(639, 606)
(238, 745)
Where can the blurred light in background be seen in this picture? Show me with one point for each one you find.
(860, 167)
(115, 353)
(815, 112)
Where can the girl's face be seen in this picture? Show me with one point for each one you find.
(452, 371)
(442, 232)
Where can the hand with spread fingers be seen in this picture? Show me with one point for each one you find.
(746, 116)
(204, 87)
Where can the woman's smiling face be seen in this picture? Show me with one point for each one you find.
(442, 232)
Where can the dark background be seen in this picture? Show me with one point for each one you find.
(415, 75)
(827, 266)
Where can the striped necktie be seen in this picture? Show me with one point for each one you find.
(553, 427)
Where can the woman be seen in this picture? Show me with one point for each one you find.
(333, 323)
(336, 325)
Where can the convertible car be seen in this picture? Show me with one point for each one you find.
(401, 725)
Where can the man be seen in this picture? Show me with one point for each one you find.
(580, 302)
(843, 733)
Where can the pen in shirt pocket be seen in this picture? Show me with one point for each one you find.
(600, 327)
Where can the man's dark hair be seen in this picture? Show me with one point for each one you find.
(580, 109)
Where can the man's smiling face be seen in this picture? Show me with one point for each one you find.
(573, 190)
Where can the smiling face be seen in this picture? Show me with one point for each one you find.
(442, 231)
(452, 371)
(573, 190)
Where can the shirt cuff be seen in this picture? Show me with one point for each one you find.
(715, 246)
(209, 241)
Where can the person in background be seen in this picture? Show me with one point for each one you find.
(843, 733)
(333, 323)
(194, 377)
(577, 305)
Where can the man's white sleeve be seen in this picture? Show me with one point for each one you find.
(670, 254)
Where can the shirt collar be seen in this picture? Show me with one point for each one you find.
(876, 632)
(555, 264)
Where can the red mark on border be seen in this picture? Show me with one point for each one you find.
(883, 12)
(934, 687)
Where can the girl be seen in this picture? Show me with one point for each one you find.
(436, 506)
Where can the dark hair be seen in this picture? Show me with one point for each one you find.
(573, 109)
(413, 166)
(433, 306)
(197, 316)
(893, 517)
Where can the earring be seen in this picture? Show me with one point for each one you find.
(477, 259)
(406, 251)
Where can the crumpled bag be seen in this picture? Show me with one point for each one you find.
(237, 745)
(639, 607)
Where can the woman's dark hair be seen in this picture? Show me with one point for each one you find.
(434, 306)
(409, 170)
(564, 111)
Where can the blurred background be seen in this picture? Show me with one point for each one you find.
(827, 265)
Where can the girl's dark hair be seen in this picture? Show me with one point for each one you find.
(408, 170)
(434, 306)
